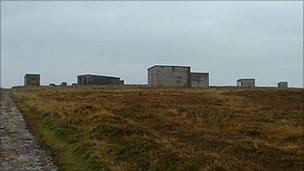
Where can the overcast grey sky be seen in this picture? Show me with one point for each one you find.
(230, 40)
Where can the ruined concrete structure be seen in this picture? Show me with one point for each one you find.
(98, 80)
(247, 83)
(283, 84)
(169, 76)
(32, 80)
(199, 79)
(176, 76)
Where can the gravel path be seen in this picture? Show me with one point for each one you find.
(18, 148)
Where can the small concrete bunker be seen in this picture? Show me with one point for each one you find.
(32, 80)
(199, 79)
(246, 82)
(169, 76)
(176, 76)
(89, 79)
(283, 84)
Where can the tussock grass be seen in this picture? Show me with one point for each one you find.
(142, 128)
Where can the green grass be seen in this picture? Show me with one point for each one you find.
(141, 128)
(50, 136)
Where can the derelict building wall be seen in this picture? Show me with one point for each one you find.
(200, 80)
(169, 76)
(32, 80)
(247, 83)
(98, 80)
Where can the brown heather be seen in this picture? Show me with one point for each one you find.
(141, 128)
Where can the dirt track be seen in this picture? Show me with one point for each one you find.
(18, 148)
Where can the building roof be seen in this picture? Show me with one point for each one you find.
(246, 79)
(205, 73)
(32, 74)
(98, 76)
(168, 66)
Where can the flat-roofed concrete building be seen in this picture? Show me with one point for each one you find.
(199, 79)
(169, 76)
(32, 80)
(89, 79)
(246, 82)
(283, 84)
(176, 76)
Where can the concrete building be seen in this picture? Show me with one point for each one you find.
(176, 76)
(247, 83)
(283, 84)
(32, 80)
(98, 80)
(169, 76)
(199, 79)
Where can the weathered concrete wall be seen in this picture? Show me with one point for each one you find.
(247, 83)
(98, 80)
(169, 76)
(32, 80)
(283, 84)
(200, 80)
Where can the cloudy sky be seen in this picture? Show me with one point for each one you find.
(230, 40)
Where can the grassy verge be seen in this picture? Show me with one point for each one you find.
(51, 138)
